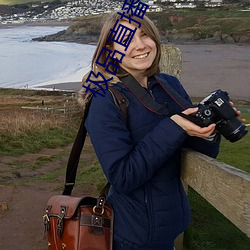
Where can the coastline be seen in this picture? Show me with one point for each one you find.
(205, 68)
(67, 86)
(38, 23)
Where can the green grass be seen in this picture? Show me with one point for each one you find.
(210, 230)
(39, 162)
(13, 2)
(32, 143)
(237, 154)
(221, 13)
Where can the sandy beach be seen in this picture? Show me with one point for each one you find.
(206, 68)
(209, 67)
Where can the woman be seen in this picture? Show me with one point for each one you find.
(141, 156)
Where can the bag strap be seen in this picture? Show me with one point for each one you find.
(72, 165)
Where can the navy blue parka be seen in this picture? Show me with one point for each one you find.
(141, 160)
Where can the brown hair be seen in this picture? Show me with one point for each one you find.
(147, 26)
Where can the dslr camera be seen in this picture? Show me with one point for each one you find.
(216, 108)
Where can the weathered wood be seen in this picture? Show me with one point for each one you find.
(179, 242)
(171, 60)
(223, 186)
(170, 63)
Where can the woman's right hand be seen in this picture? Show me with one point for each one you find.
(190, 128)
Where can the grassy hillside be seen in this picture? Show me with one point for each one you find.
(44, 126)
(13, 2)
(213, 25)
(23, 131)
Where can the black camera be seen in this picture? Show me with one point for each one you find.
(216, 109)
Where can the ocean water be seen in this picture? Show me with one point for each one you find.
(26, 64)
(205, 68)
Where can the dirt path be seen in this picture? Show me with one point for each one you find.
(21, 224)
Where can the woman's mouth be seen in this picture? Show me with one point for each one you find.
(141, 56)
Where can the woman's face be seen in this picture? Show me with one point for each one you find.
(140, 54)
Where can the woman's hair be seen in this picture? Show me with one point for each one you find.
(147, 26)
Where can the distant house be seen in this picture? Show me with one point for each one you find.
(184, 5)
(214, 3)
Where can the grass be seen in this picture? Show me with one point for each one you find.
(210, 230)
(203, 24)
(27, 132)
(23, 131)
(218, 13)
(13, 2)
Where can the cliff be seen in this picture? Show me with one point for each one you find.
(173, 28)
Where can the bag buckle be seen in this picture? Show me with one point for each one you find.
(46, 221)
(59, 224)
(96, 221)
(95, 212)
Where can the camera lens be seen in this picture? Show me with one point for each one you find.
(238, 133)
(233, 130)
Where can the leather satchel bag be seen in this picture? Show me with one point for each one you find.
(81, 223)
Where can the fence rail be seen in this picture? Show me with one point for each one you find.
(223, 186)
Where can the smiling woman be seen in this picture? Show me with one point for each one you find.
(141, 154)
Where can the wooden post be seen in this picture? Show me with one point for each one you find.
(171, 60)
(170, 63)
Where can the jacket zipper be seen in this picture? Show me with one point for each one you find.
(151, 93)
(148, 204)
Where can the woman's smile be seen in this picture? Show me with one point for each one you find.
(141, 56)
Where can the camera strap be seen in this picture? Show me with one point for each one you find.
(146, 100)
(143, 96)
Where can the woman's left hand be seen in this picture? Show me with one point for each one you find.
(238, 113)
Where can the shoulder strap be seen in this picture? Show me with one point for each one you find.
(75, 155)
(122, 102)
(181, 101)
(143, 96)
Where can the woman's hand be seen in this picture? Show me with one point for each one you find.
(190, 128)
(238, 113)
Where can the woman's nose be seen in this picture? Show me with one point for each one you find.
(139, 44)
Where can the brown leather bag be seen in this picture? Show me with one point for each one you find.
(79, 223)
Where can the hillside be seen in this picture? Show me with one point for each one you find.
(173, 26)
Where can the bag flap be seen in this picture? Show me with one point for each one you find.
(68, 203)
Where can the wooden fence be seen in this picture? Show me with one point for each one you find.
(223, 186)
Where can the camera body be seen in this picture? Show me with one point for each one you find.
(216, 108)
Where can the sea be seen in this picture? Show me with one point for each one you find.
(26, 64)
